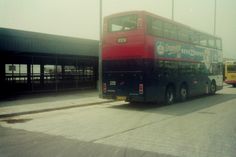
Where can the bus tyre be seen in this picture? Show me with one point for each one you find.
(169, 96)
(213, 88)
(234, 85)
(183, 93)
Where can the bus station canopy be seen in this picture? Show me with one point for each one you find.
(18, 41)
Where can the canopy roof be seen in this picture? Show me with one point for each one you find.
(19, 41)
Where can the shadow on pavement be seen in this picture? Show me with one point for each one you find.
(22, 143)
(179, 109)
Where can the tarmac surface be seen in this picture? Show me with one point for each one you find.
(201, 127)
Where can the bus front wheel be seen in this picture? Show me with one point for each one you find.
(169, 96)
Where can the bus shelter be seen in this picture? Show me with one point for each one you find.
(37, 62)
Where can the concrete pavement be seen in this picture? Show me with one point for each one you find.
(201, 127)
(20, 143)
(42, 103)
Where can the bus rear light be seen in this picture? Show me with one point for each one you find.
(140, 88)
(104, 87)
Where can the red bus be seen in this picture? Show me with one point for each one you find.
(148, 58)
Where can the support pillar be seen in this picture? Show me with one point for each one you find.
(56, 75)
(2, 78)
(2, 72)
(29, 75)
(42, 75)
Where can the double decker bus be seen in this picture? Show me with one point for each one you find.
(148, 58)
(230, 73)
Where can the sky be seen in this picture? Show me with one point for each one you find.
(80, 18)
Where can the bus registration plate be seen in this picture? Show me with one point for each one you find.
(121, 98)
(112, 83)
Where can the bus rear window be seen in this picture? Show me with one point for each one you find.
(122, 23)
(231, 68)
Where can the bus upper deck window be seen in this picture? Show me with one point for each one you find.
(218, 44)
(123, 23)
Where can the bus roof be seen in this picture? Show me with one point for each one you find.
(230, 62)
(160, 17)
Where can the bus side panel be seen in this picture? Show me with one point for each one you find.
(155, 91)
(161, 78)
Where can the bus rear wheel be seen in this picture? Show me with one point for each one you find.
(169, 96)
(183, 93)
(213, 88)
